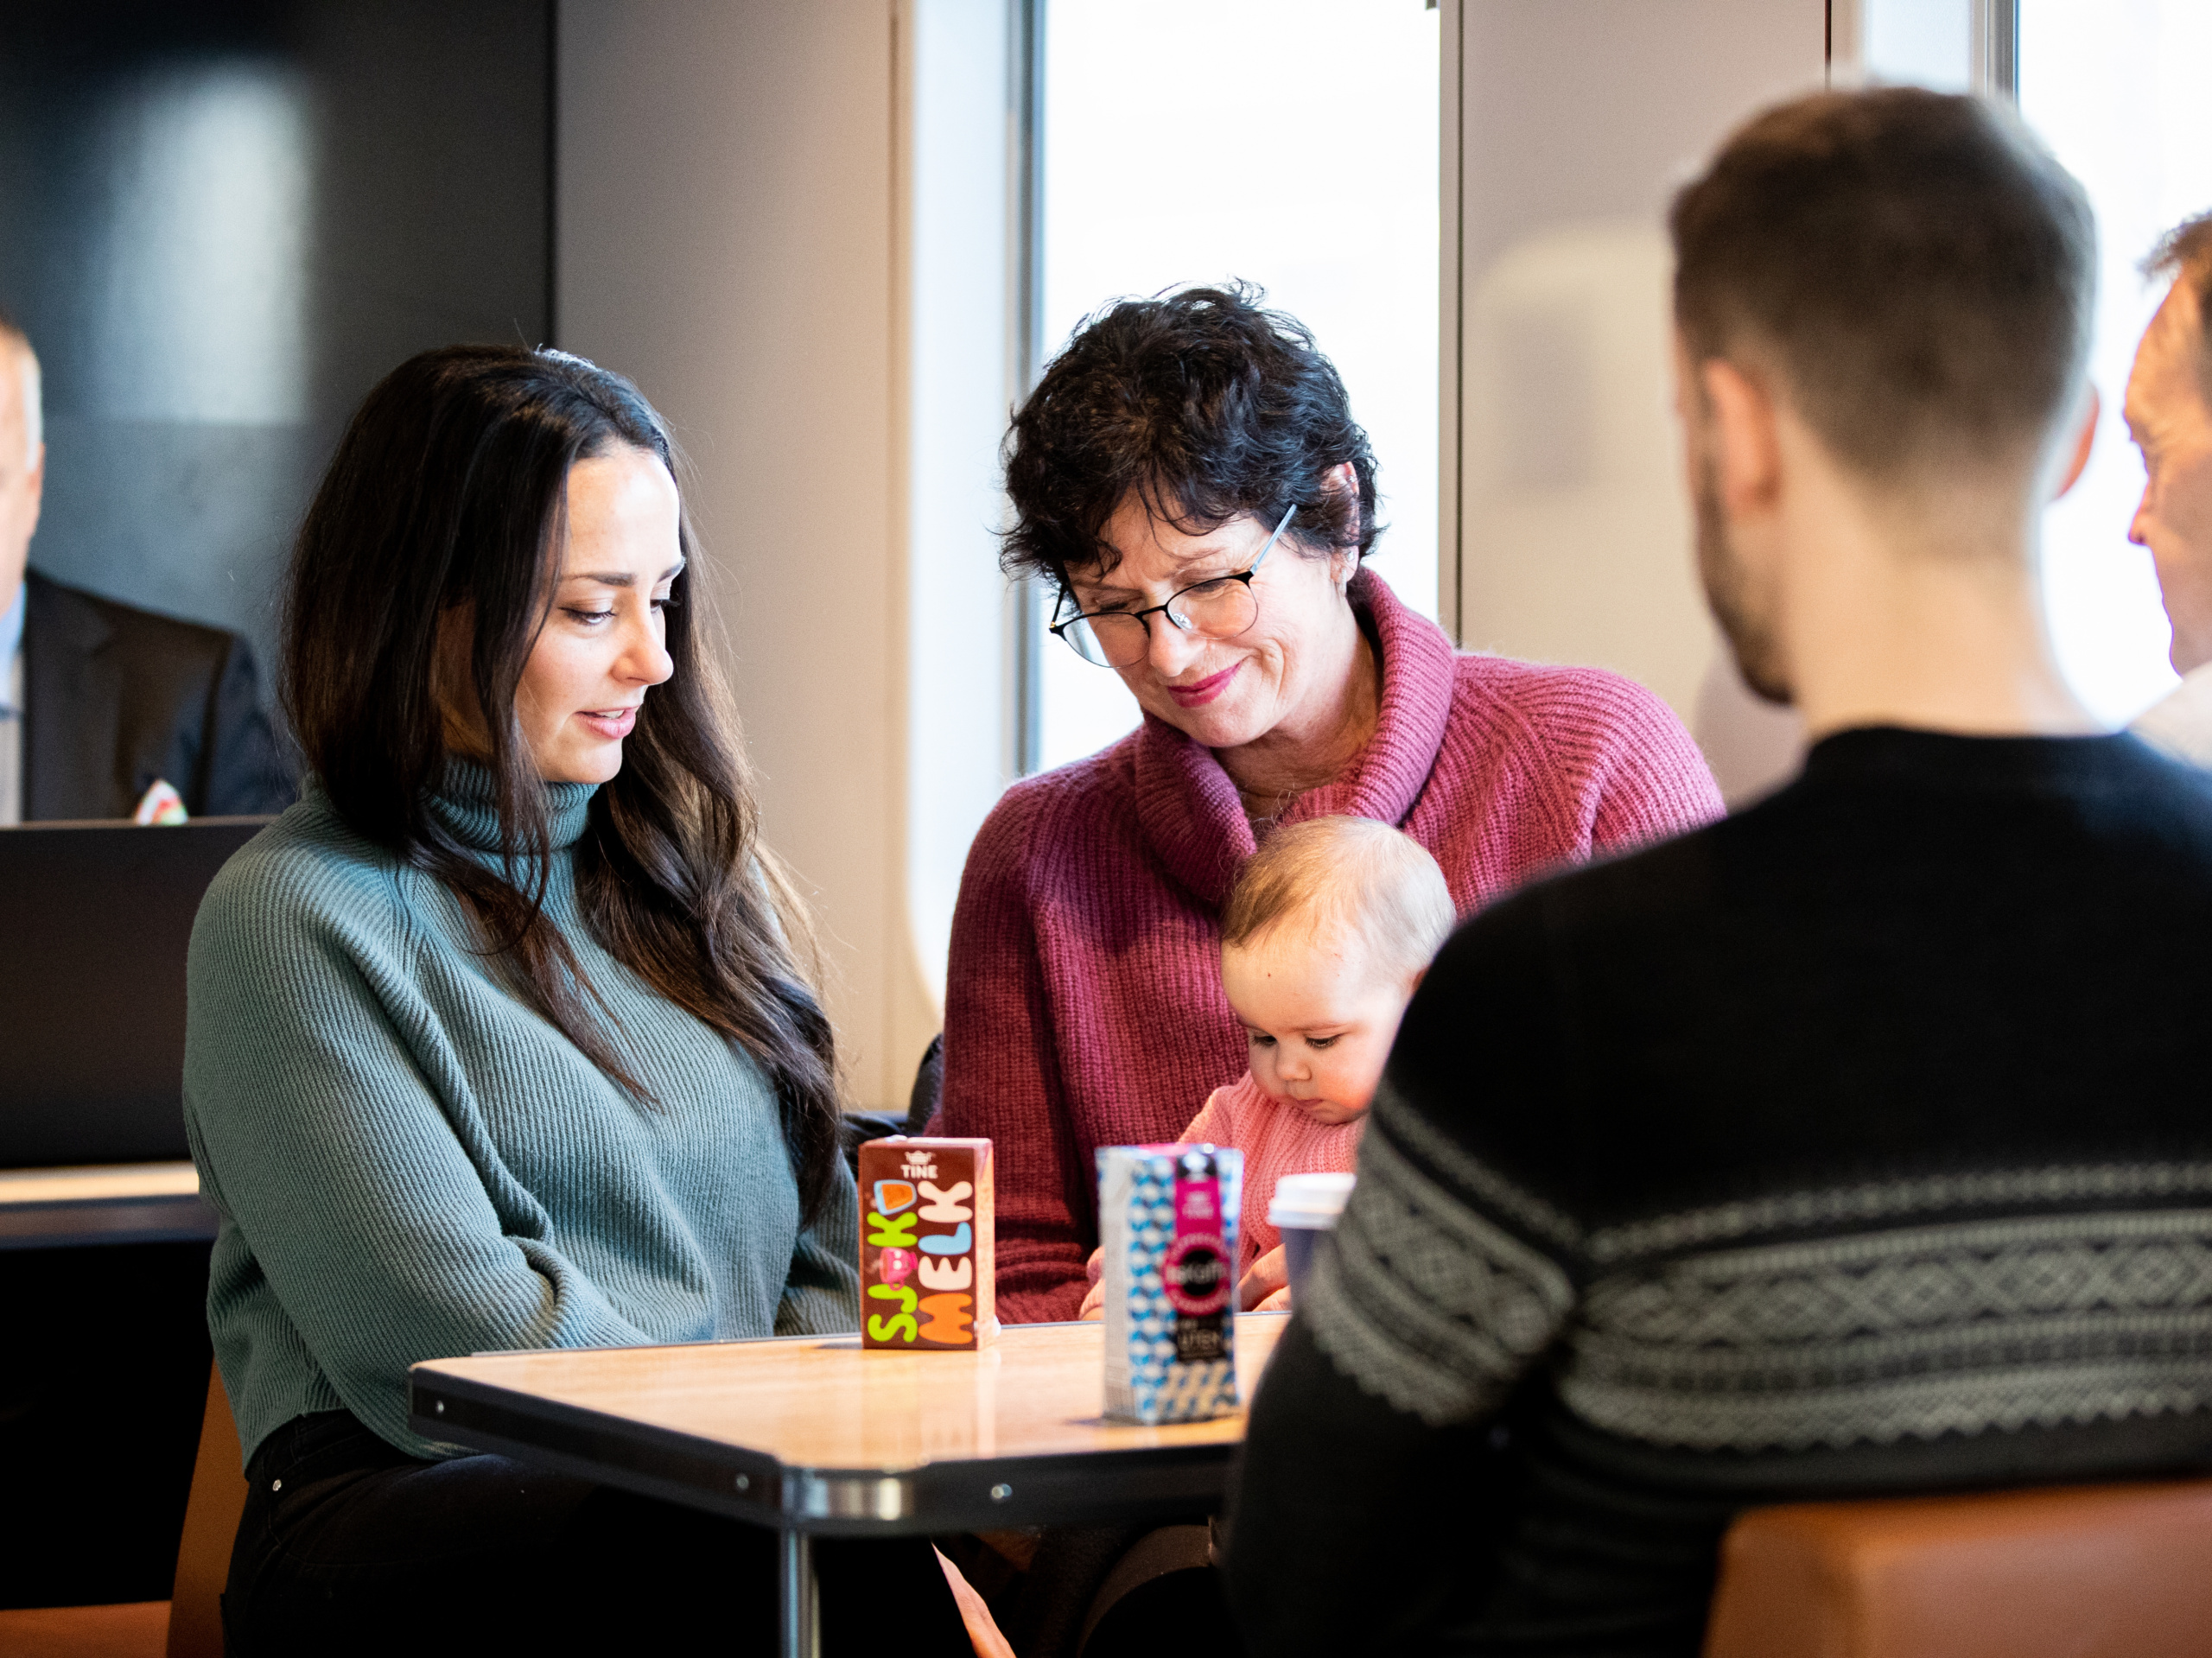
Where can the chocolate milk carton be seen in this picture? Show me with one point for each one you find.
(1167, 1222)
(925, 1244)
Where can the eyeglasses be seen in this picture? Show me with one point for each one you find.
(1220, 608)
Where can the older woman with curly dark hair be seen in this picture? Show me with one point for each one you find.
(1189, 478)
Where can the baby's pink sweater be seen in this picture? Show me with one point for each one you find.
(1084, 1005)
(1277, 1139)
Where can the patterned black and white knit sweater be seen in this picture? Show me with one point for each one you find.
(1861, 1143)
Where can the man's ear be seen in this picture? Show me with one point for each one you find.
(1747, 447)
(2084, 441)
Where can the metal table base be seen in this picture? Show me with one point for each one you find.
(799, 1628)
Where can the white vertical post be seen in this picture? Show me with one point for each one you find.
(968, 674)
(1846, 40)
(1996, 49)
(1025, 345)
(1451, 290)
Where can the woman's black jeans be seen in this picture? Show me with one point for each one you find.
(349, 1545)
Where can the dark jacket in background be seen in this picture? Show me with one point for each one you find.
(117, 699)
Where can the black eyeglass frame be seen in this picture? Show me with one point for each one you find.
(1058, 629)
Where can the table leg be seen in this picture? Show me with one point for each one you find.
(802, 1599)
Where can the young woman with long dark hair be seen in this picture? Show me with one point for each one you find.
(502, 1039)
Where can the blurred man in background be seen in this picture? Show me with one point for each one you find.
(106, 710)
(2170, 415)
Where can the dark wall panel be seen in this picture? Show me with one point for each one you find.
(220, 223)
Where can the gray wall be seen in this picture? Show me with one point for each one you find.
(1568, 124)
(221, 224)
(727, 187)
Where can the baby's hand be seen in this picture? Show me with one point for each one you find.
(1093, 1299)
(1266, 1286)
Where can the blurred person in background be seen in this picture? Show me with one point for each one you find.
(106, 711)
(2169, 416)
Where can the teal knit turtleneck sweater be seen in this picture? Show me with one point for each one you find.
(410, 1164)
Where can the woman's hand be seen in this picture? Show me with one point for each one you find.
(1265, 1288)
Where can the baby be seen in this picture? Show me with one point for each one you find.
(1322, 941)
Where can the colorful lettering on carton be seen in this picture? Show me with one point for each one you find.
(926, 1243)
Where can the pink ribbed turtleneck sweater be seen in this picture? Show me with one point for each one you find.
(1084, 1005)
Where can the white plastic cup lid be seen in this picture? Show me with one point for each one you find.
(1312, 1201)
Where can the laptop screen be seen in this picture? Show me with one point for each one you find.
(94, 921)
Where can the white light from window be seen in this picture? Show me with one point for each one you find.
(1292, 143)
(1925, 42)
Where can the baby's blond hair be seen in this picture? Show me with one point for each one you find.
(1371, 880)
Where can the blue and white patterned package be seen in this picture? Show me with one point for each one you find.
(1167, 1222)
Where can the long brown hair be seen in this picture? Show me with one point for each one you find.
(446, 498)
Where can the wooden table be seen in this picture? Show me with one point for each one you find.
(813, 1436)
(118, 1203)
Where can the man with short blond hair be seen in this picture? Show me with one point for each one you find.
(1855, 1145)
(106, 710)
(2169, 411)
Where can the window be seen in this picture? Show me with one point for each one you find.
(2110, 84)
(1292, 143)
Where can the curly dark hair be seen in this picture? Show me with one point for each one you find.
(1206, 406)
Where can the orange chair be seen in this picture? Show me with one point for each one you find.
(131, 1630)
(211, 1523)
(2094, 1572)
(190, 1623)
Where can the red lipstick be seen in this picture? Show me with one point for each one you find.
(1202, 691)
